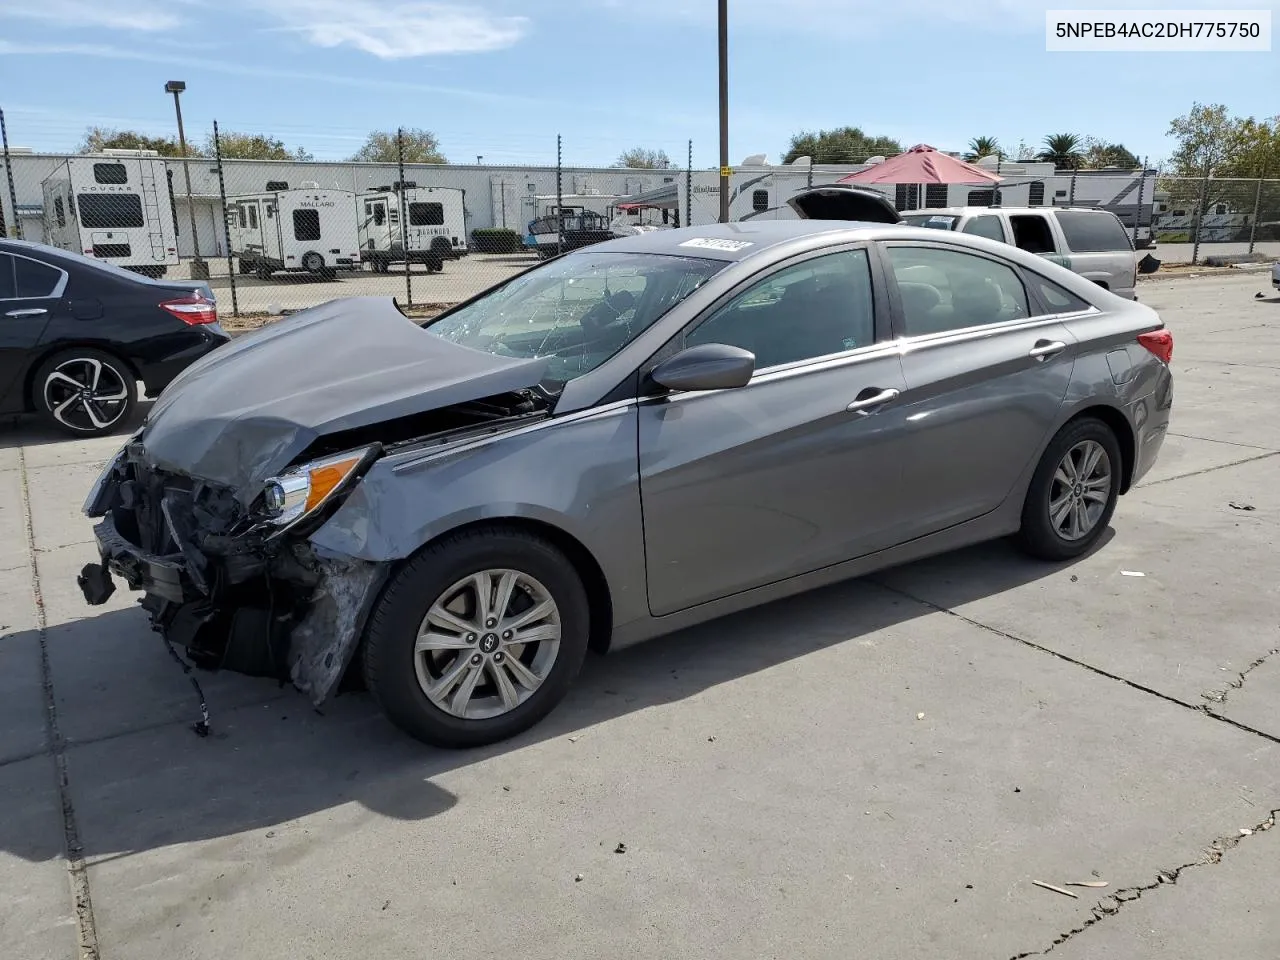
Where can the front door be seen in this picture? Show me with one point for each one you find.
(797, 470)
(30, 296)
(986, 375)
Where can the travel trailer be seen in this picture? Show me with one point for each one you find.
(115, 205)
(305, 229)
(434, 231)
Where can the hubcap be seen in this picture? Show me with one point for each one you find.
(86, 394)
(487, 644)
(1080, 490)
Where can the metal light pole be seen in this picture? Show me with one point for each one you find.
(199, 268)
(724, 111)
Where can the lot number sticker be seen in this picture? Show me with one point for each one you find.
(711, 243)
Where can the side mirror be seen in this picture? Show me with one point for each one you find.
(708, 366)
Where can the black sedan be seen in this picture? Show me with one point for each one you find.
(77, 334)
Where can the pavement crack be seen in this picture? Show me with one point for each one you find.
(1197, 473)
(77, 869)
(1202, 708)
(1229, 443)
(1220, 695)
(1111, 905)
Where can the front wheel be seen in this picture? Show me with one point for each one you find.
(1073, 492)
(477, 638)
(85, 392)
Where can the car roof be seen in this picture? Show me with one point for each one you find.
(739, 240)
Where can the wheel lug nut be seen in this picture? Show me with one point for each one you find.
(490, 622)
(471, 638)
(507, 635)
(475, 661)
(497, 658)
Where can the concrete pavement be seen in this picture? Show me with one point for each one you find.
(775, 791)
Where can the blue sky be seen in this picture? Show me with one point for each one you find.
(500, 78)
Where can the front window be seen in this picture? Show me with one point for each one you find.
(577, 311)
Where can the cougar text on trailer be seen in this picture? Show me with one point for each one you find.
(305, 229)
(434, 231)
(115, 205)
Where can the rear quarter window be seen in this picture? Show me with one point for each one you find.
(35, 279)
(1088, 231)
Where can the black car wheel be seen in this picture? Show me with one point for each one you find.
(477, 638)
(85, 392)
(1073, 492)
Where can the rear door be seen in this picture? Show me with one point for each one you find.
(987, 367)
(796, 471)
(31, 296)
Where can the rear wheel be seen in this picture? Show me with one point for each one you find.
(313, 262)
(1073, 492)
(477, 638)
(85, 392)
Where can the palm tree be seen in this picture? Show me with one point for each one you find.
(980, 147)
(1063, 149)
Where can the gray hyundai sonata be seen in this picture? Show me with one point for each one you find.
(626, 440)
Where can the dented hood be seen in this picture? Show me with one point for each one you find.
(247, 410)
(839, 201)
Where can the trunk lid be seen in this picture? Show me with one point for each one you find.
(838, 201)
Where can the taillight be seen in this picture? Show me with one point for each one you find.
(195, 309)
(1159, 342)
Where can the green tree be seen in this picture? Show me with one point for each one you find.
(97, 139)
(640, 158)
(980, 147)
(1062, 150)
(420, 146)
(1256, 150)
(1208, 139)
(253, 146)
(841, 145)
(1099, 153)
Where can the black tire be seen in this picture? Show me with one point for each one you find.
(312, 262)
(49, 392)
(1039, 536)
(389, 661)
(434, 264)
(245, 266)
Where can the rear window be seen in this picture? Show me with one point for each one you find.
(426, 214)
(1090, 231)
(110, 173)
(35, 279)
(6, 277)
(110, 211)
(935, 221)
(306, 225)
(1058, 299)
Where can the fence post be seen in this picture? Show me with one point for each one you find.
(16, 229)
(1204, 198)
(404, 218)
(1257, 205)
(1071, 200)
(226, 226)
(559, 201)
(688, 190)
(1137, 216)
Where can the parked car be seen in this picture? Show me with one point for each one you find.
(78, 334)
(626, 440)
(1092, 243)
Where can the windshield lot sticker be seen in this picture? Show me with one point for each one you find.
(711, 243)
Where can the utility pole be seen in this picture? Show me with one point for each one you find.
(724, 111)
(199, 269)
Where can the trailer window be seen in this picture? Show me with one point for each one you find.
(306, 225)
(253, 216)
(426, 214)
(110, 173)
(110, 211)
(1035, 194)
(240, 215)
(379, 214)
(59, 211)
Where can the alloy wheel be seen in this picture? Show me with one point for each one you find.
(487, 644)
(87, 394)
(1080, 490)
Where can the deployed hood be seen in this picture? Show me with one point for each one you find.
(245, 411)
(839, 201)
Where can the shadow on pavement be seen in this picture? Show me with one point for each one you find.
(30, 430)
(272, 758)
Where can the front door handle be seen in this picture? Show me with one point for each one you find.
(30, 312)
(1044, 349)
(868, 404)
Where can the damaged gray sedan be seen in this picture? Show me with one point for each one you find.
(627, 440)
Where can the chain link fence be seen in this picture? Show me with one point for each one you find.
(274, 237)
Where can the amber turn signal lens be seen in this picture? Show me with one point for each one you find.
(324, 480)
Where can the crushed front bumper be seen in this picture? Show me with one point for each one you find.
(218, 586)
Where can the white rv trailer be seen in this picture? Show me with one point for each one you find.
(115, 205)
(1176, 222)
(303, 229)
(434, 231)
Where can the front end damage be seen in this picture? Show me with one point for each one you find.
(234, 590)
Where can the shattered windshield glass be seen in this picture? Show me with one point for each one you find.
(578, 311)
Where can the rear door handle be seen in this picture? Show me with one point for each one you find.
(1044, 349)
(867, 404)
(30, 312)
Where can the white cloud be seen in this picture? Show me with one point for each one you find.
(144, 15)
(396, 30)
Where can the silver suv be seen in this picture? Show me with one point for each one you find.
(1092, 243)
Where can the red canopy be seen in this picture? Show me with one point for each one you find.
(922, 164)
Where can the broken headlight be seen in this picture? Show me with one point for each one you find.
(90, 502)
(302, 490)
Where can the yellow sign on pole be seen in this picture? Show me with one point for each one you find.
(726, 171)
